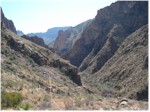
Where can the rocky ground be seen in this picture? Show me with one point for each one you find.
(90, 102)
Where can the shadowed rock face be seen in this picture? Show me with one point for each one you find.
(72, 73)
(35, 39)
(143, 94)
(104, 35)
(8, 23)
(66, 39)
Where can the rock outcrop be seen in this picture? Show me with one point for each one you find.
(104, 35)
(36, 40)
(66, 39)
(7, 23)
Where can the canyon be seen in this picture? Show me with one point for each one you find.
(99, 64)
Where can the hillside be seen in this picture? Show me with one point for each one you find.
(27, 68)
(126, 73)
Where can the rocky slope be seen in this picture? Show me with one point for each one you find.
(49, 35)
(125, 74)
(104, 35)
(66, 39)
(8, 23)
(36, 40)
(27, 69)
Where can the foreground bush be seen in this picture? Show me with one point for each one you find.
(10, 99)
(25, 106)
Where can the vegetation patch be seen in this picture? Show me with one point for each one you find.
(25, 106)
(10, 99)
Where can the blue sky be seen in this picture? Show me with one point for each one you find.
(40, 15)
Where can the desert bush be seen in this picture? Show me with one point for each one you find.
(10, 99)
(25, 106)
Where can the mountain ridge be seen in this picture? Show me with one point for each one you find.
(106, 29)
(49, 35)
(8, 23)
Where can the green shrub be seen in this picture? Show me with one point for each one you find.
(10, 99)
(25, 106)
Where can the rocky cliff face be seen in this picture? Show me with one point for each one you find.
(8, 23)
(125, 74)
(66, 39)
(104, 35)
